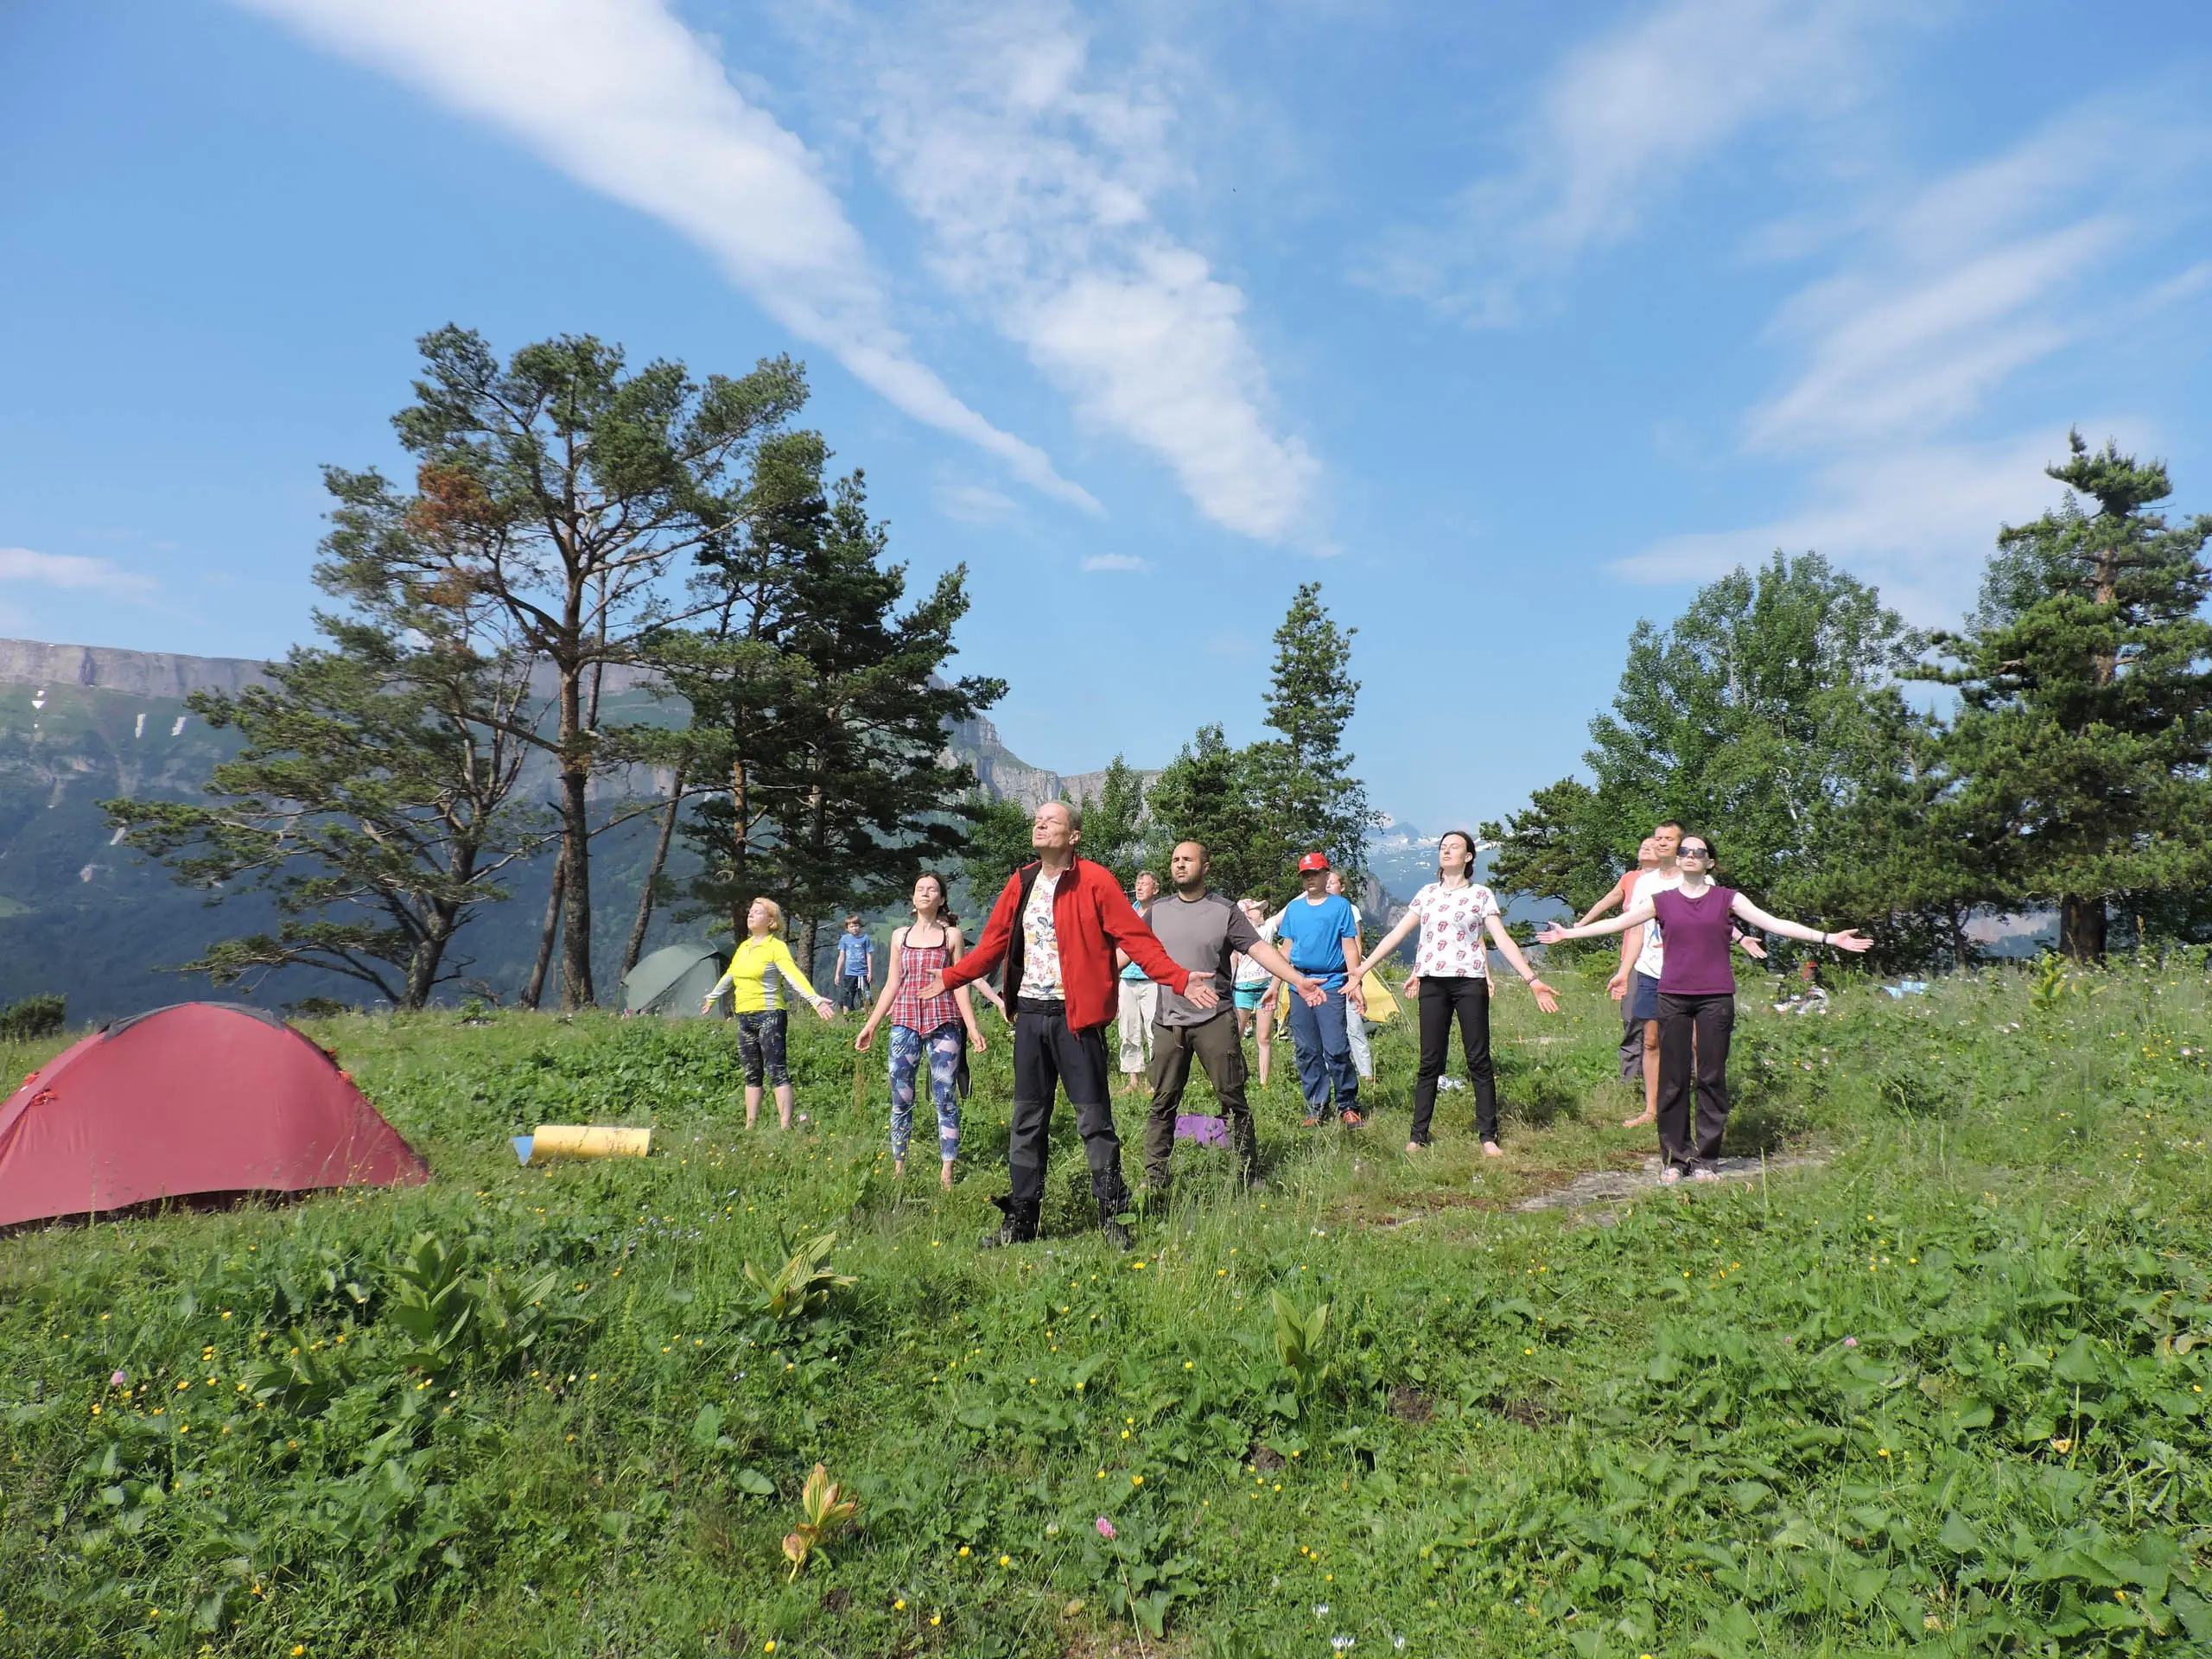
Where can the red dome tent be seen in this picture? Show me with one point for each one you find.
(203, 1098)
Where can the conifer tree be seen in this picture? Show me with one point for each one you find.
(2081, 747)
(1310, 794)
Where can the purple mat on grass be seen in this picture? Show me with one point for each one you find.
(1206, 1131)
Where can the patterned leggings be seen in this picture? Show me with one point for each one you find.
(761, 1046)
(943, 1044)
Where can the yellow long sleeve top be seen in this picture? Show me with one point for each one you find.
(751, 989)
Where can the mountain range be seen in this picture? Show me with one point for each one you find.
(83, 916)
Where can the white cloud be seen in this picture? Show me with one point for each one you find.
(973, 504)
(1919, 523)
(1619, 123)
(625, 99)
(1116, 562)
(71, 571)
(1039, 176)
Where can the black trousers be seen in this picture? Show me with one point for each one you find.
(1442, 997)
(1693, 1028)
(1048, 1056)
(1216, 1045)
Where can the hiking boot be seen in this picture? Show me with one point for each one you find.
(1312, 1120)
(1019, 1227)
(1113, 1202)
(1353, 1118)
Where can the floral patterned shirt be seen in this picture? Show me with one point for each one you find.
(1040, 942)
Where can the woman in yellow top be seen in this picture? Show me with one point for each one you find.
(757, 1002)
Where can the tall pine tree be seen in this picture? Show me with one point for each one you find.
(2083, 742)
(1311, 796)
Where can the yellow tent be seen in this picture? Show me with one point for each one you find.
(1382, 1007)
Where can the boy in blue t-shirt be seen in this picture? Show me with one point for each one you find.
(855, 964)
(1321, 934)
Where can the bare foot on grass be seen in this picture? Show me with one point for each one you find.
(945, 1176)
(1639, 1120)
(1491, 1149)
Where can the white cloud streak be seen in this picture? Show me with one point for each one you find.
(1618, 125)
(1038, 176)
(624, 99)
(70, 570)
(1116, 562)
(1918, 522)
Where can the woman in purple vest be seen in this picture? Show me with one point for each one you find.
(1697, 998)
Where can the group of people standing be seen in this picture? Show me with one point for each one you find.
(1188, 972)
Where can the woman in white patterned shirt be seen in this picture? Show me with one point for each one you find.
(1451, 975)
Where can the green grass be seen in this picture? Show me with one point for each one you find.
(1939, 1386)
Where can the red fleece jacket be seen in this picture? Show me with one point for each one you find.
(1090, 915)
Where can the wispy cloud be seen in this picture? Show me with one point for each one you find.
(1129, 562)
(1617, 126)
(1935, 304)
(973, 504)
(623, 97)
(1918, 522)
(1971, 278)
(1039, 177)
(71, 570)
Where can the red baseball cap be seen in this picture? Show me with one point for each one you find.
(1312, 862)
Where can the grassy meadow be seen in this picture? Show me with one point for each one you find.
(1935, 1382)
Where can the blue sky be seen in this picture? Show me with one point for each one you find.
(1509, 324)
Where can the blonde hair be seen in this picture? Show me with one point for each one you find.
(775, 914)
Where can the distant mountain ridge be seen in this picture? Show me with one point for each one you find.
(81, 915)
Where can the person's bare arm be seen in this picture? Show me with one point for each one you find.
(1615, 894)
(1546, 999)
(1396, 936)
(1851, 939)
(1553, 932)
(1309, 991)
(1355, 992)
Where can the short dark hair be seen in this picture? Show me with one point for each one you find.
(852, 921)
(1675, 824)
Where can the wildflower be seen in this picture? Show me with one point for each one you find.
(1005, 1561)
(963, 1551)
(1851, 1342)
(769, 1646)
(1105, 1526)
(899, 1605)
(1340, 1642)
(120, 1380)
(1321, 1611)
(935, 1618)
(1136, 1480)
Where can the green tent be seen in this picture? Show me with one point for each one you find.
(674, 981)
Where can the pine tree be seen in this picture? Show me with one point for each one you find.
(2083, 740)
(1207, 794)
(872, 795)
(373, 799)
(1312, 798)
(1115, 823)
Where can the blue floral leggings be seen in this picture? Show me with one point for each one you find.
(943, 1045)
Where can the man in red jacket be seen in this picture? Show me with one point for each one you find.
(1056, 925)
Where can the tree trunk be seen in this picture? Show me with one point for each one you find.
(2081, 927)
(575, 896)
(637, 944)
(429, 955)
(813, 946)
(546, 934)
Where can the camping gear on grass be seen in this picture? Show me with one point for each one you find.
(551, 1141)
(1381, 1004)
(195, 1100)
(674, 981)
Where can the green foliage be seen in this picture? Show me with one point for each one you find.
(1210, 793)
(1768, 712)
(1949, 1374)
(374, 796)
(1305, 777)
(2079, 759)
(556, 492)
(1298, 1335)
(1114, 824)
(998, 844)
(33, 1019)
(802, 1287)
(825, 1511)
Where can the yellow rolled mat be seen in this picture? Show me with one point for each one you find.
(588, 1141)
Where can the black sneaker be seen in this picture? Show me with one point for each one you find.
(1117, 1235)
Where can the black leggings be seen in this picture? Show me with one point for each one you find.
(1694, 1029)
(1441, 995)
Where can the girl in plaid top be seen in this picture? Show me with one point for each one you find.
(920, 1025)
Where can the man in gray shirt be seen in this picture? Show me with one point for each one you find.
(1201, 931)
